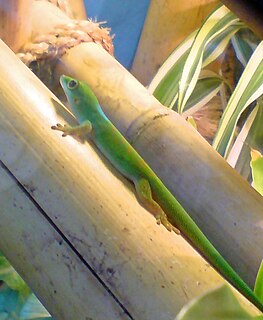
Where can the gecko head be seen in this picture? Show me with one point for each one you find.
(82, 101)
(70, 87)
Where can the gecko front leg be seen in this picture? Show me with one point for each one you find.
(77, 131)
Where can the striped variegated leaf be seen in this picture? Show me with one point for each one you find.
(239, 155)
(257, 174)
(248, 89)
(259, 283)
(250, 136)
(208, 85)
(164, 85)
(214, 34)
(243, 49)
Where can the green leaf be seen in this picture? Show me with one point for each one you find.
(242, 49)
(220, 26)
(257, 171)
(33, 309)
(16, 299)
(219, 304)
(11, 306)
(259, 284)
(249, 88)
(250, 136)
(182, 67)
(207, 87)
(165, 84)
(8, 302)
(191, 121)
(11, 277)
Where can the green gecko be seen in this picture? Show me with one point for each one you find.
(151, 192)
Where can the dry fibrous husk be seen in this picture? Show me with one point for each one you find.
(44, 50)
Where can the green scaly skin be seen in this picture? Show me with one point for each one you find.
(151, 192)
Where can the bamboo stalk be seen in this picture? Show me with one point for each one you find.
(35, 245)
(68, 191)
(45, 259)
(53, 16)
(16, 23)
(227, 209)
(78, 9)
(223, 204)
(163, 32)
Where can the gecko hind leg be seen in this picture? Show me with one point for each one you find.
(144, 194)
(78, 131)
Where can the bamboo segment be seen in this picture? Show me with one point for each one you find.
(78, 9)
(223, 204)
(163, 32)
(46, 260)
(16, 22)
(70, 192)
(53, 17)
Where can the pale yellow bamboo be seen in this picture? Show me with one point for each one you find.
(168, 22)
(43, 258)
(222, 203)
(16, 23)
(78, 9)
(75, 9)
(53, 17)
(31, 242)
(70, 191)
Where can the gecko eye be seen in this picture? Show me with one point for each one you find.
(73, 84)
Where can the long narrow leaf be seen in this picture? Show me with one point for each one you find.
(217, 45)
(257, 175)
(219, 304)
(164, 85)
(220, 26)
(242, 49)
(259, 283)
(249, 88)
(242, 141)
(220, 20)
(207, 87)
(250, 137)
